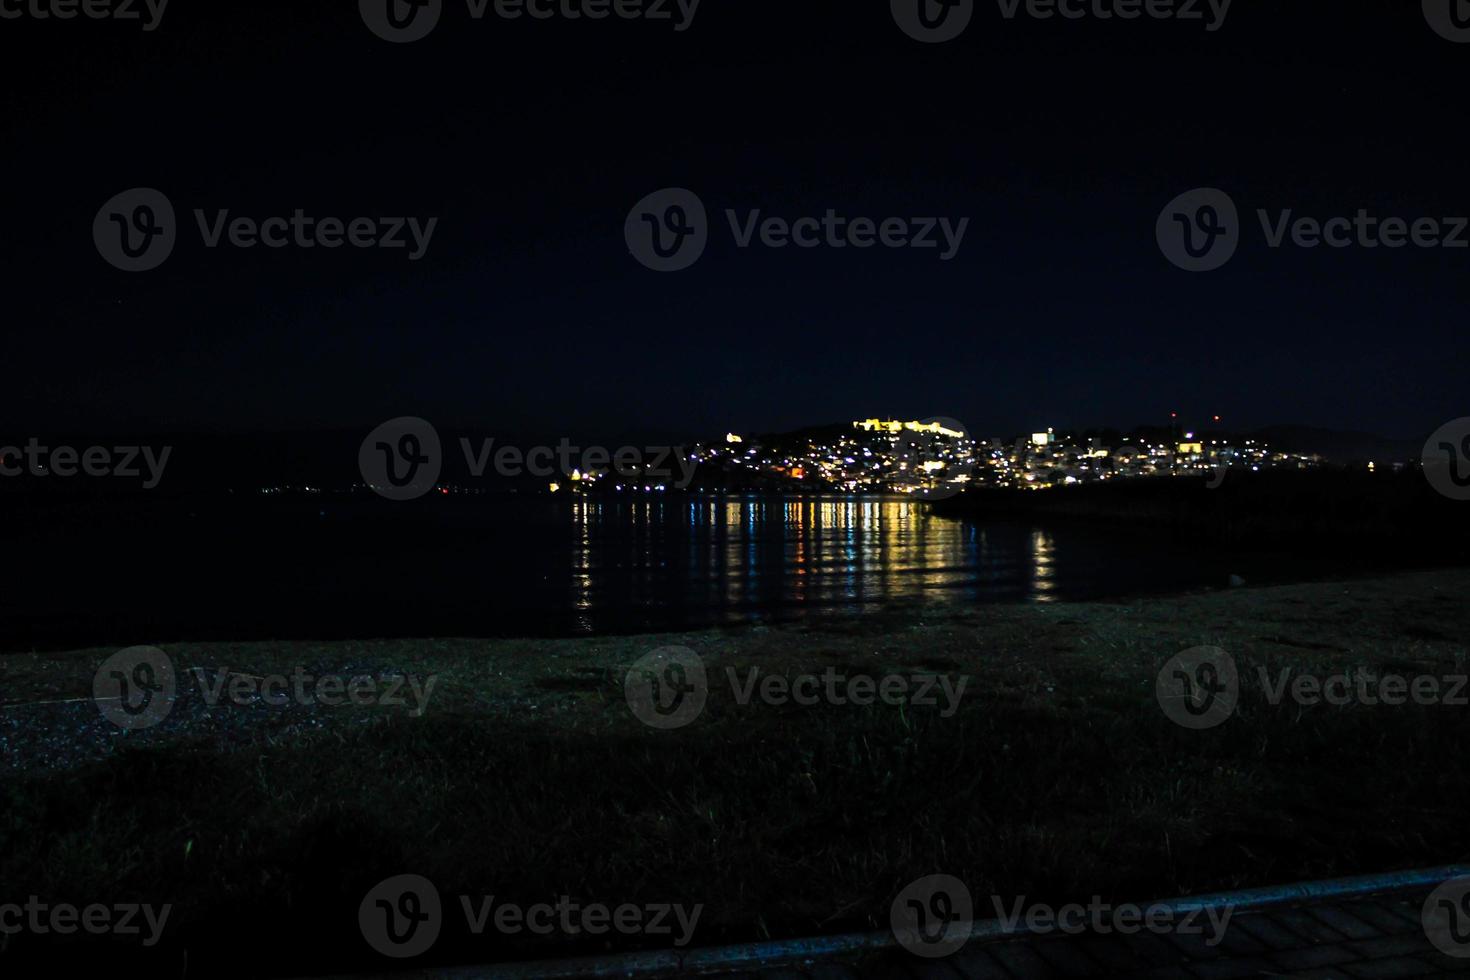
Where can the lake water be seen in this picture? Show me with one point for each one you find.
(325, 566)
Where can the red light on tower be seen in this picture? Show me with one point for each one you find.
(1217, 418)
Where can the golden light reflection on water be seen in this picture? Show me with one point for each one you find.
(1043, 567)
(743, 551)
(582, 564)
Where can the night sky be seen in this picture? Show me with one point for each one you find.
(1061, 141)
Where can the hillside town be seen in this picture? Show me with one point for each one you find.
(939, 457)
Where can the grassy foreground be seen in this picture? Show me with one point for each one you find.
(1058, 778)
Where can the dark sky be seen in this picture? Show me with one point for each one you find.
(1061, 141)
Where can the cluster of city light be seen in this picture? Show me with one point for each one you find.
(876, 454)
(923, 457)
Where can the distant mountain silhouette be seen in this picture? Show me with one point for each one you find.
(1338, 447)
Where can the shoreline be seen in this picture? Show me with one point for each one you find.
(545, 567)
(61, 679)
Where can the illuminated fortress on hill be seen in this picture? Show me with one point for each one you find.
(893, 427)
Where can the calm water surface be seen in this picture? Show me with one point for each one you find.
(327, 566)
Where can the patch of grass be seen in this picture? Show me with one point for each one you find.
(1058, 778)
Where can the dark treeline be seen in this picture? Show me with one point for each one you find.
(1392, 518)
